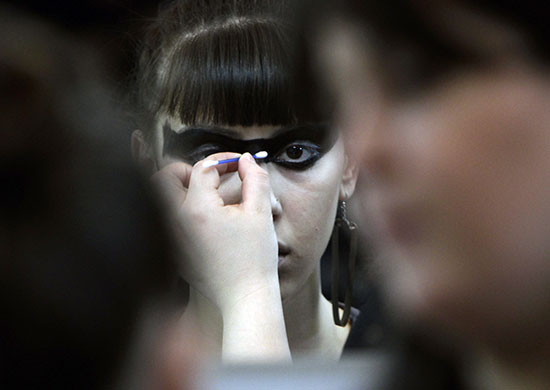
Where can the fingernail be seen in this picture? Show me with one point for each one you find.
(249, 157)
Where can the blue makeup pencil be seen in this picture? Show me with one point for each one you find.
(211, 163)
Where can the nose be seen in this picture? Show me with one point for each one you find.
(370, 139)
(276, 208)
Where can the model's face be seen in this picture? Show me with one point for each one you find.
(457, 189)
(306, 165)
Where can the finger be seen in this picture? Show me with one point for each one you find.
(172, 181)
(225, 167)
(205, 181)
(256, 189)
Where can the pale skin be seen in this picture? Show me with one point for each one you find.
(268, 309)
(459, 191)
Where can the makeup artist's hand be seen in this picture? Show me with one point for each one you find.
(231, 250)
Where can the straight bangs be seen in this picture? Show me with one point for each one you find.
(237, 72)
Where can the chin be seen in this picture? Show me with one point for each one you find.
(287, 290)
(285, 285)
(435, 308)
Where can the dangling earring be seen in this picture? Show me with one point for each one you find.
(343, 222)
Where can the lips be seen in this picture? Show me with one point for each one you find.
(284, 251)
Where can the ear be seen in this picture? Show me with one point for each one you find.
(349, 179)
(142, 152)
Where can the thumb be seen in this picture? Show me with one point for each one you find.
(256, 189)
(172, 182)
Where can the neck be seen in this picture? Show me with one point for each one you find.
(309, 324)
(495, 371)
(308, 321)
(206, 320)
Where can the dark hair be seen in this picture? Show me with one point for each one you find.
(415, 43)
(84, 250)
(220, 61)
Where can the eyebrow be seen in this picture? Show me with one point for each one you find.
(207, 129)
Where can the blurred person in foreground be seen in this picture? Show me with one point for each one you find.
(86, 267)
(445, 106)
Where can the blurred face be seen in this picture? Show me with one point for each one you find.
(457, 189)
(307, 168)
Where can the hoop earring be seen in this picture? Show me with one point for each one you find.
(342, 222)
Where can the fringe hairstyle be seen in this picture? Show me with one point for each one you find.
(217, 62)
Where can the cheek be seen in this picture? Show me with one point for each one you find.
(309, 199)
(483, 170)
(163, 161)
(489, 171)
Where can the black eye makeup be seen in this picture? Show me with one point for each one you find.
(298, 155)
(296, 148)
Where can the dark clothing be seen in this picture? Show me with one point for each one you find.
(368, 328)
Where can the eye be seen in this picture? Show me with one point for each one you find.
(295, 153)
(202, 152)
(298, 155)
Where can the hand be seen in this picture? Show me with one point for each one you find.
(231, 253)
(231, 249)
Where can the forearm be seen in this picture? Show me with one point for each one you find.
(254, 328)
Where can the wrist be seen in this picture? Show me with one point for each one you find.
(250, 296)
(254, 328)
